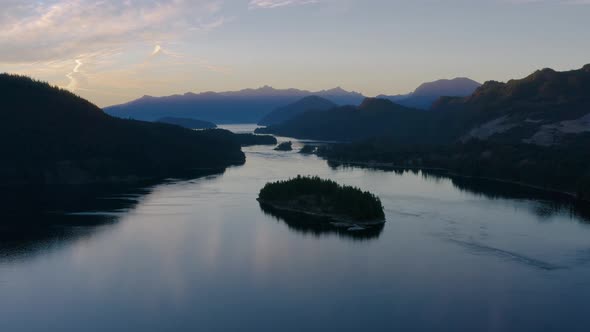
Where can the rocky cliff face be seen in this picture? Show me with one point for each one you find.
(544, 108)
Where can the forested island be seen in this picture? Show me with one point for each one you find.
(320, 197)
(285, 146)
(308, 149)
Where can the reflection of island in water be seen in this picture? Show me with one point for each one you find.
(319, 226)
(44, 218)
(549, 203)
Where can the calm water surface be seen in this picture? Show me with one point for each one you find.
(201, 255)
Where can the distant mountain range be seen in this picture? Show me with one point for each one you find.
(244, 106)
(51, 136)
(254, 105)
(545, 108)
(282, 114)
(374, 117)
(426, 94)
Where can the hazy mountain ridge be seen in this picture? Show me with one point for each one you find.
(253, 105)
(427, 93)
(282, 114)
(244, 106)
(373, 117)
(460, 86)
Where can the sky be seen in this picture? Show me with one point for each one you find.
(115, 51)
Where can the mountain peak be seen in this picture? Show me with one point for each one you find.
(545, 72)
(262, 89)
(543, 87)
(376, 104)
(338, 91)
(306, 104)
(456, 87)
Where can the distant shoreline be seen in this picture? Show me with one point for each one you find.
(568, 194)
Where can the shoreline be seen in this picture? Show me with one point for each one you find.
(92, 180)
(339, 220)
(448, 172)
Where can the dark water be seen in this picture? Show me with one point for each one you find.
(202, 255)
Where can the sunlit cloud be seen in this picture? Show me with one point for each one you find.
(59, 29)
(75, 43)
(73, 85)
(156, 50)
(112, 51)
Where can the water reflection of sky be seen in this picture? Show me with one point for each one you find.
(201, 254)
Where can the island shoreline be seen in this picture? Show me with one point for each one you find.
(338, 219)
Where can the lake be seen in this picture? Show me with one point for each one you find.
(202, 255)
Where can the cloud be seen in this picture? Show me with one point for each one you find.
(73, 85)
(57, 29)
(104, 48)
(267, 4)
(157, 50)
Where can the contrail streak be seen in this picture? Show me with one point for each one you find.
(73, 85)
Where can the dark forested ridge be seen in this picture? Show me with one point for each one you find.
(282, 114)
(543, 108)
(374, 117)
(188, 123)
(559, 168)
(49, 135)
(316, 195)
(244, 106)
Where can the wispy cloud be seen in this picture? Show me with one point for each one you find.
(267, 4)
(57, 29)
(73, 84)
(77, 43)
